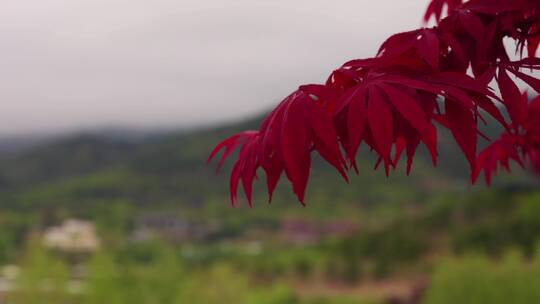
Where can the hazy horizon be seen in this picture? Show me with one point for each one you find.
(85, 64)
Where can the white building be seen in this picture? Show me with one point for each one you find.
(72, 236)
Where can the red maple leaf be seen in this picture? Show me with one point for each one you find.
(392, 102)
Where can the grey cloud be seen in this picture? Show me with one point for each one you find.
(70, 64)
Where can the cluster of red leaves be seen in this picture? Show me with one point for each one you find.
(520, 144)
(392, 102)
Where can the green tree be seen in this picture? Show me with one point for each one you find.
(43, 278)
(220, 284)
(477, 280)
(103, 282)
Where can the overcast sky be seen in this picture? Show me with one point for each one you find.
(80, 64)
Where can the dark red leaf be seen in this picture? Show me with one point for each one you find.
(462, 124)
(356, 122)
(295, 146)
(531, 81)
(511, 98)
(381, 124)
(408, 108)
(229, 145)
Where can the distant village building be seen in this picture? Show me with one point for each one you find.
(72, 236)
(303, 231)
(299, 231)
(169, 227)
(340, 228)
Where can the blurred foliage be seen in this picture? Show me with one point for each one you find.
(43, 277)
(476, 279)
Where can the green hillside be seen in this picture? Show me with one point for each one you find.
(168, 170)
(171, 167)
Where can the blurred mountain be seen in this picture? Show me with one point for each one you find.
(16, 144)
(169, 167)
